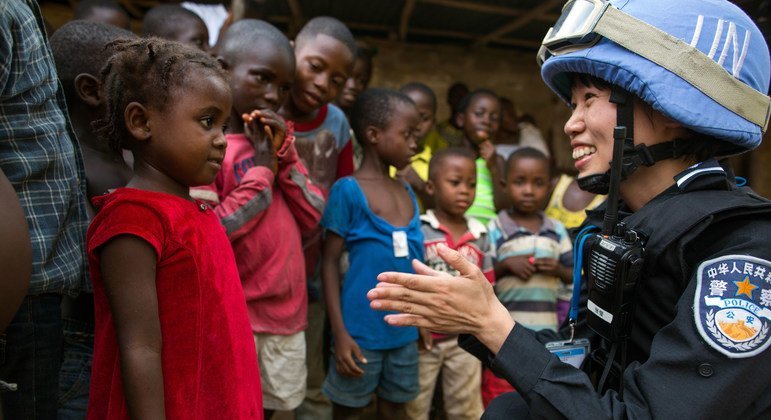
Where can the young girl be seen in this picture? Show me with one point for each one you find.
(375, 218)
(479, 118)
(172, 335)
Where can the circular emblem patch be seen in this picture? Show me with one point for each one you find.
(731, 306)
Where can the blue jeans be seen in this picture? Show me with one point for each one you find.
(75, 375)
(30, 356)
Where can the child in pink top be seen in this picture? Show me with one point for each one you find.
(265, 200)
(172, 334)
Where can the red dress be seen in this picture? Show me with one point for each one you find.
(208, 357)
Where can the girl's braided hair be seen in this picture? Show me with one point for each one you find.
(143, 70)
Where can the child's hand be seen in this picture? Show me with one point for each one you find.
(521, 266)
(261, 137)
(425, 341)
(273, 124)
(487, 152)
(548, 266)
(347, 352)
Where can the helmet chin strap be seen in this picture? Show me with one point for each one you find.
(632, 156)
(639, 155)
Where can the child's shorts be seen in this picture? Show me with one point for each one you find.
(392, 373)
(282, 369)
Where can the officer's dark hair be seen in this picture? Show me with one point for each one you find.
(80, 47)
(422, 88)
(694, 145)
(331, 27)
(165, 20)
(85, 8)
(438, 159)
(375, 108)
(526, 153)
(144, 70)
(244, 34)
(468, 99)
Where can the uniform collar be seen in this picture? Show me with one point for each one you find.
(703, 175)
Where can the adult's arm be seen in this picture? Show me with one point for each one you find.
(15, 253)
(128, 266)
(682, 378)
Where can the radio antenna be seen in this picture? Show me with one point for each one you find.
(623, 138)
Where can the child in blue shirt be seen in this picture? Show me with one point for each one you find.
(376, 219)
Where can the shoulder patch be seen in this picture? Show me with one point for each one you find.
(732, 304)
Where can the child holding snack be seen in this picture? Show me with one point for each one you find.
(265, 199)
(479, 118)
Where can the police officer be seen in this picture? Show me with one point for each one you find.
(688, 81)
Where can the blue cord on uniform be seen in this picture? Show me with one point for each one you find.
(578, 257)
(741, 181)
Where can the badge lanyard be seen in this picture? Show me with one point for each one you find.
(578, 257)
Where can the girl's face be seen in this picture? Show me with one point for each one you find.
(425, 111)
(481, 119)
(454, 186)
(187, 141)
(396, 144)
(527, 183)
(590, 128)
(356, 83)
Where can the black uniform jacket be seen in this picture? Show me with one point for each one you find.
(673, 370)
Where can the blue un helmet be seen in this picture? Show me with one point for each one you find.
(702, 63)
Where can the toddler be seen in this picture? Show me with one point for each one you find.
(452, 185)
(533, 255)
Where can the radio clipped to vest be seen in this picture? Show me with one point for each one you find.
(614, 264)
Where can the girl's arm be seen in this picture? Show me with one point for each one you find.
(128, 266)
(346, 349)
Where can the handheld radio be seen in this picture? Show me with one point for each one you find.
(614, 261)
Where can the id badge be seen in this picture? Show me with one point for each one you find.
(401, 250)
(572, 353)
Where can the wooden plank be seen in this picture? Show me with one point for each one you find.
(404, 22)
(519, 22)
(297, 16)
(487, 8)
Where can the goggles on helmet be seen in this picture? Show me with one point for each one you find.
(584, 22)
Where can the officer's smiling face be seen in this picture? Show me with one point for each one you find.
(590, 127)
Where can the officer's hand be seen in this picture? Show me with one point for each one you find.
(440, 302)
